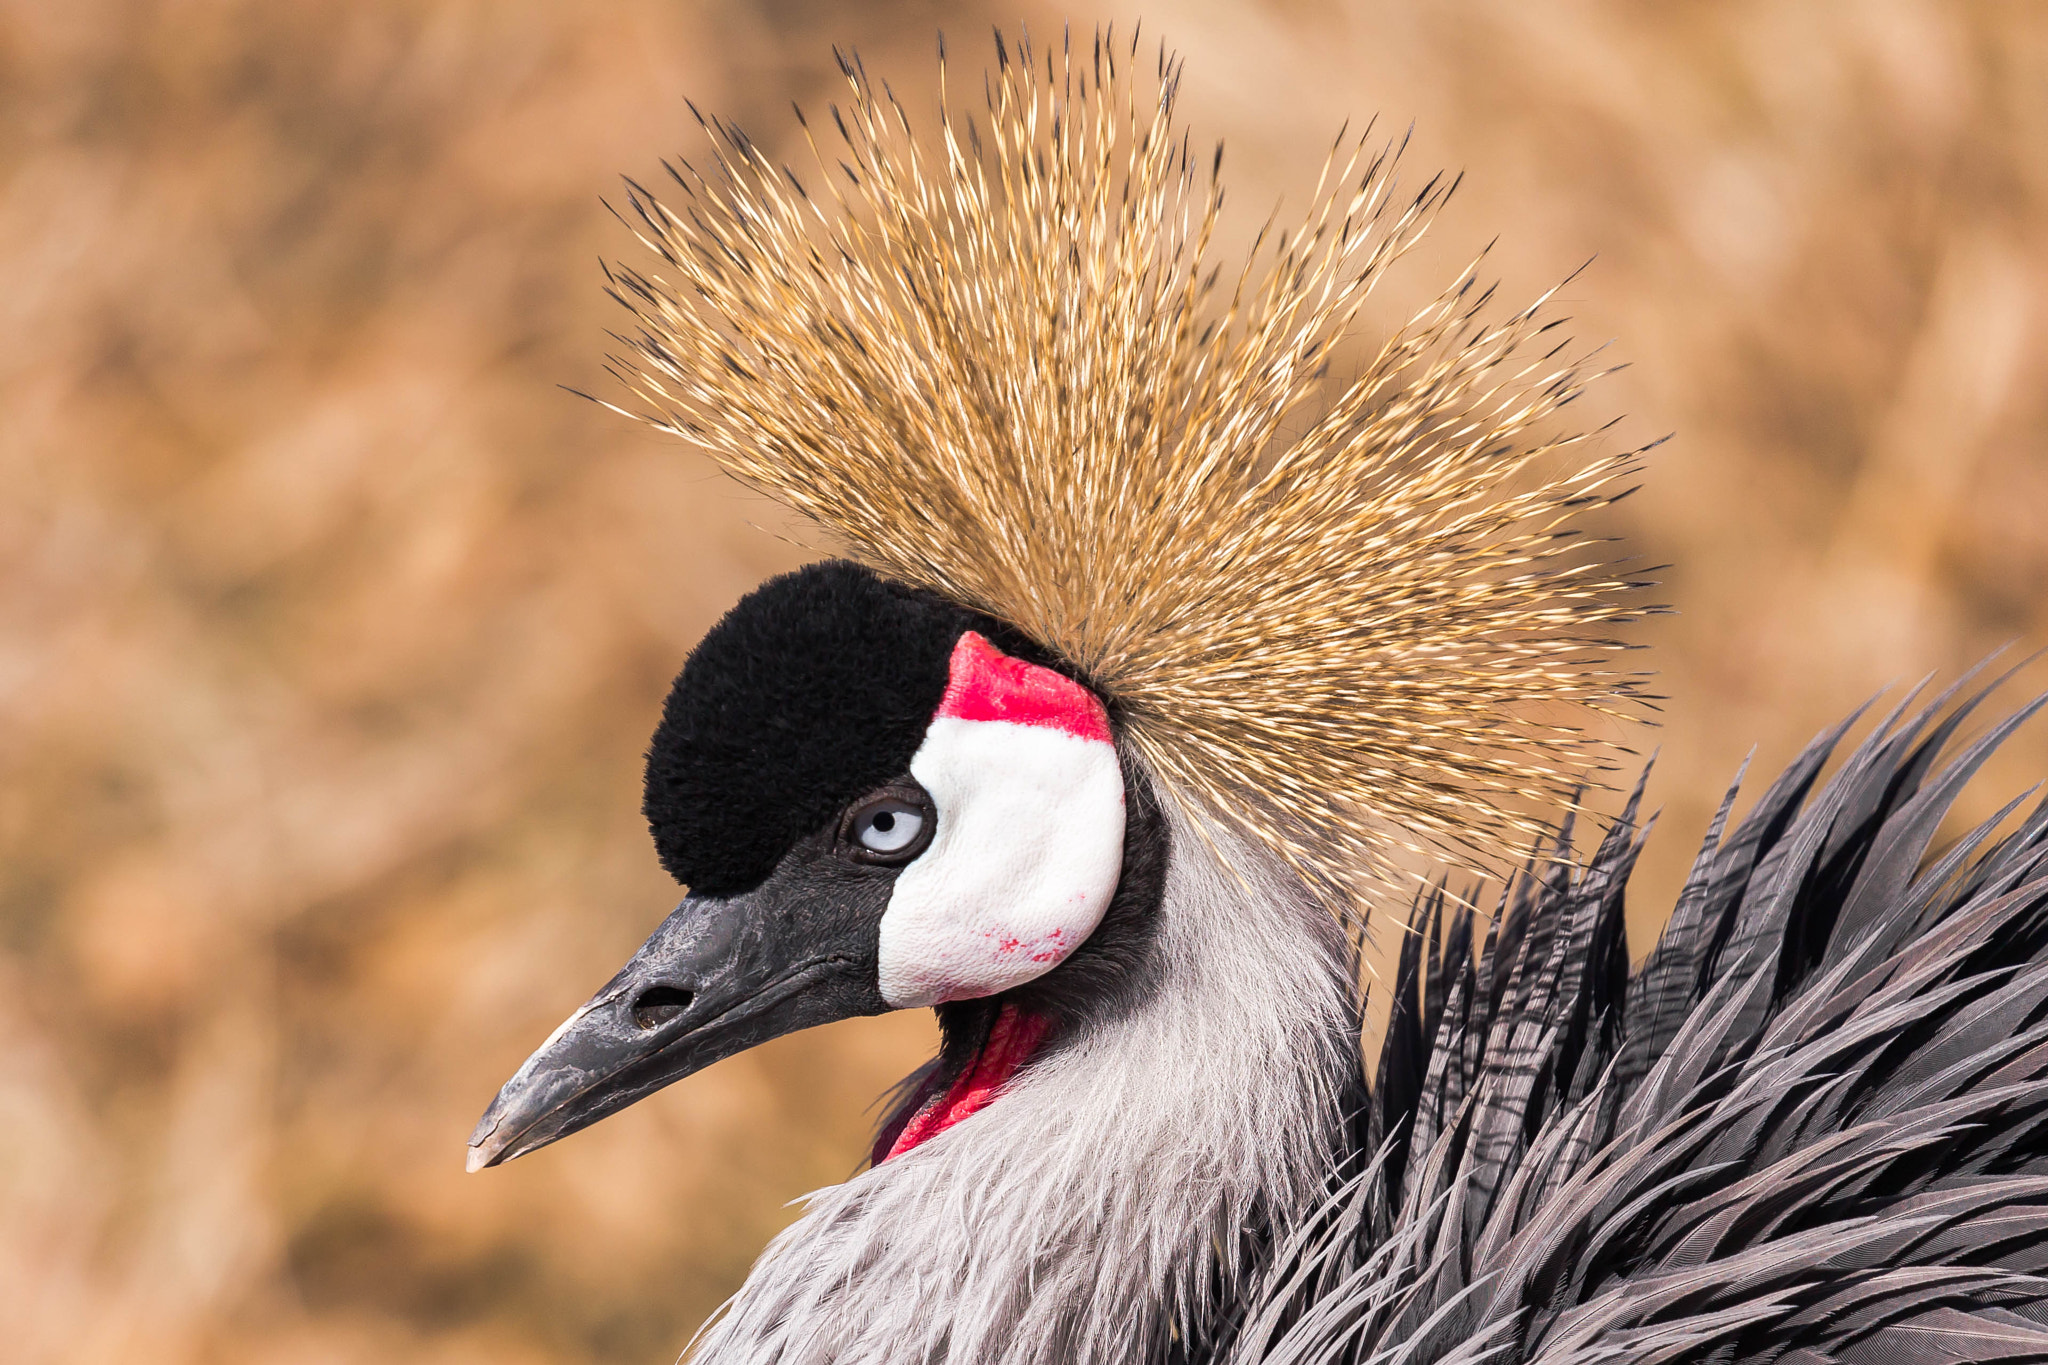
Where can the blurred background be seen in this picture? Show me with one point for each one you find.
(331, 628)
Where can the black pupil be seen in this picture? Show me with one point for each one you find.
(885, 821)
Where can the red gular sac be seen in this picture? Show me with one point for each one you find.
(1014, 1038)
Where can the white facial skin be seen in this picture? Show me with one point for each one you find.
(1022, 866)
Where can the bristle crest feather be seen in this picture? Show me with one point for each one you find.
(1341, 614)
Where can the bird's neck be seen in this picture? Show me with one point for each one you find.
(1105, 1200)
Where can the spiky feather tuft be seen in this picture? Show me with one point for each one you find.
(1343, 613)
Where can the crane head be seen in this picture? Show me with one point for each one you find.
(876, 800)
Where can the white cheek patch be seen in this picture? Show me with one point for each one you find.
(1029, 844)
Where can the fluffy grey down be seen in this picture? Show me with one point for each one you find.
(1107, 1207)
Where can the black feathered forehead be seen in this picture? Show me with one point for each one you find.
(815, 689)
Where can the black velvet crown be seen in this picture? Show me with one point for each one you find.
(814, 690)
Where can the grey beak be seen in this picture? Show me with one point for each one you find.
(718, 977)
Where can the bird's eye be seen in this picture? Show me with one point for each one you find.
(891, 827)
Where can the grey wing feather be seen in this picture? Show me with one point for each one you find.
(1811, 1128)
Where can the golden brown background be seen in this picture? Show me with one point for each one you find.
(331, 628)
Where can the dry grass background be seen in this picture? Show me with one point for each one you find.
(331, 629)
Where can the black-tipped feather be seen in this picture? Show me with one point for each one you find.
(1812, 1128)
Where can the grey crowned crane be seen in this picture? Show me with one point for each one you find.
(1165, 634)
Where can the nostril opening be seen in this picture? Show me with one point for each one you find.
(659, 1004)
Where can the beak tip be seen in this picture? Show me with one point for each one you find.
(484, 1149)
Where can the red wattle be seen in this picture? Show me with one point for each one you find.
(1011, 1041)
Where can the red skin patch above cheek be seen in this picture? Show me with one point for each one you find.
(987, 684)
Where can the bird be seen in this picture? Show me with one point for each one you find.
(1165, 641)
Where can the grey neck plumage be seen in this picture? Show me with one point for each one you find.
(1099, 1210)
